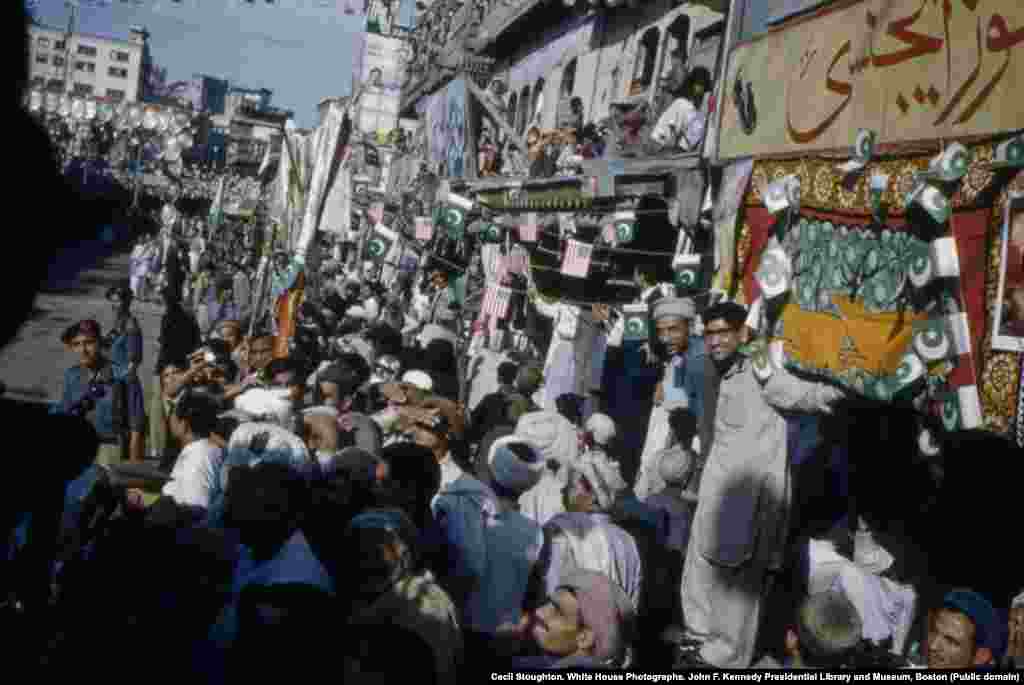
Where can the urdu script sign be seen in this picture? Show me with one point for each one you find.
(910, 70)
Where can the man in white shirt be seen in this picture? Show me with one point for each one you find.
(195, 478)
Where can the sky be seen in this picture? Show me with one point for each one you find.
(299, 49)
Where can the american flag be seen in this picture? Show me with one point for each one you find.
(424, 228)
(528, 231)
(376, 213)
(576, 262)
(501, 268)
(496, 301)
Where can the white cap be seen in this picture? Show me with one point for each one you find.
(421, 379)
(602, 428)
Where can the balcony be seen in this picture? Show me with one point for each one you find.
(436, 48)
(494, 17)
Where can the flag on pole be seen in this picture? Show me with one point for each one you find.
(424, 228)
(380, 242)
(496, 301)
(634, 322)
(376, 213)
(518, 261)
(528, 230)
(576, 262)
(217, 208)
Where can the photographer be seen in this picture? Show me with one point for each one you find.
(113, 405)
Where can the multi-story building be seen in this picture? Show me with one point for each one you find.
(87, 64)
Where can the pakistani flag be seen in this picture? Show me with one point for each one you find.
(634, 324)
(491, 233)
(932, 341)
(908, 378)
(931, 200)
(453, 220)
(625, 227)
(379, 244)
(217, 208)
(687, 274)
(950, 412)
(1010, 154)
(952, 164)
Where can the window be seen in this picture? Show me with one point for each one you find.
(58, 61)
(569, 78)
(87, 50)
(643, 69)
(512, 102)
(538, 99)
(43, 42)
(524, 109)
(117, 72)
(83, 89)
(114, 94)
(42, 59)
(119, 56)
(38, 81)
(87, 67)
(677, 39)
(55, 84)
(60, 45)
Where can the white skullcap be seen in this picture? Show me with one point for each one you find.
(420, 379)
(602, 428)
(268, 405)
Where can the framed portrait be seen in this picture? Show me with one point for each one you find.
(1008, 312)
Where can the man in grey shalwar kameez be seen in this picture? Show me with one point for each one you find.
(740, 525)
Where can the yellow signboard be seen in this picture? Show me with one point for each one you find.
(909, 70)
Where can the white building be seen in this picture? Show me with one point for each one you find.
(87, 64)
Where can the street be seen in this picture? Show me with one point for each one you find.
(33, 364)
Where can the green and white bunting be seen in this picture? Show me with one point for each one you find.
(1009, 154)
(380, 242)
(931, 200)
(951, 164)
(634, 322)
(492, 233)
(932, 340)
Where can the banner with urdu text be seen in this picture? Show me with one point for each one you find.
(907, 69)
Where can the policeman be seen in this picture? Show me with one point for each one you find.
(113, 404)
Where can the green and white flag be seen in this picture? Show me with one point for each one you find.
(634, 322)
(931, 200)
(380, 242)
(1009, 154)
(863, 151)
(908, 378)
(625, 227)
(687, 268)
(453, 220)
(491, 233)
(217, 207)
(932, 340)
(951, 164)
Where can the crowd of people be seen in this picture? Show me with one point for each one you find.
(362, 478)
(365, 497)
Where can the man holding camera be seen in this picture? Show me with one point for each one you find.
(113, 405)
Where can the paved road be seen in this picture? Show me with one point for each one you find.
(33, 364)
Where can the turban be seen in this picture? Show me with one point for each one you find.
(272, 405)
(604, 609)
(604, 479)
(677, 307)
(512, 471)
(551, 433)
(676, 466)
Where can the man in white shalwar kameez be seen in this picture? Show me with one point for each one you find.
(740, 526)
(681, 385)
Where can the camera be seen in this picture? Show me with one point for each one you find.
(87, 403)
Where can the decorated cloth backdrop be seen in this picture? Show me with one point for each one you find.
(851, 308)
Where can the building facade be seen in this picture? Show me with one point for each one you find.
(86, 64)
